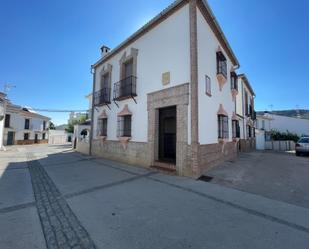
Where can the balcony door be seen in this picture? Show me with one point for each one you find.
(128, 72)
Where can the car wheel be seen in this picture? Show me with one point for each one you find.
(297, 153)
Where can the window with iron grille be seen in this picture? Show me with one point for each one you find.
(7, 120)
(208, 85)
(44, 125)
(223, 127)
(236, 129)
(102, 127)
(234, 83)
(221, 64)
(249, 131)
(43, 136)
(27, 124)
(124, 126)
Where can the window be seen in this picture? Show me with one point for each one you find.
(7, 120)
(223, 127)
(105, 81)
(234, 83)
(263, 124)
(221, 64)
(236, 129)
(246, 104)
(27, 124)
(253, 132)
(124, 126)
(208, 85)
(43, 136)
(102, 128)
(44, 125)
(249, 131)
(26, 136)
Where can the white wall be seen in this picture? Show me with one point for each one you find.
(294, 125)
(2, 113)
(207, 65)
(165, 48)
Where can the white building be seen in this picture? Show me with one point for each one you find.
(2, 116)
(166, 96)
(24, 126)
(246, 114)
(269, 121)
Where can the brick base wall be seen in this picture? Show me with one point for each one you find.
(136, 153)
(27, 142)
(247, 145)
(210, 155)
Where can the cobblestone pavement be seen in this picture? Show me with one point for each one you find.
(62, 230)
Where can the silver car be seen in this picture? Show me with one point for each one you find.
(302, 146)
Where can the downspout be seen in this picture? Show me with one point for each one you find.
(92, 111)
(194, 88)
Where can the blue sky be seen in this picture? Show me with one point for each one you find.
(47, 47)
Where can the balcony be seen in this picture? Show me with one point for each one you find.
(102, 97)
(125, 89)
(221, 69)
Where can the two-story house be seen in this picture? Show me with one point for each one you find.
(166, 96)
(23, 126)
(246, 113)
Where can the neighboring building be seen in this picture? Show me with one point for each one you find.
(24, 126)
(246, 114)
(268, 121)
(2, 117)
(59, 137)
(166, 96)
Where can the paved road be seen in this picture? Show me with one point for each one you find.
(51, 197)
(279, 176)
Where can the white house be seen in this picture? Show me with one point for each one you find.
(166, 96)
(246, 114)
(24, 126)
(2, 116)
(269, 121)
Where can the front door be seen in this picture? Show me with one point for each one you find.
(10, 140)
(36, 138)
(167, 134)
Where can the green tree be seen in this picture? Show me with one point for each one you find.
(51, 126)
(76, 121)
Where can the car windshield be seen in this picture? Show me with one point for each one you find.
(304, 140)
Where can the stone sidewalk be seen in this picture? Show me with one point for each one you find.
(55, 198)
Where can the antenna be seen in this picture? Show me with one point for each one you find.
(8, 87)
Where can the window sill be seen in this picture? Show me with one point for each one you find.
(124, 141)
(236, 139)
(221, 79)
(209, 94)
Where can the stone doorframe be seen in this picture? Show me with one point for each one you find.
(174, 96)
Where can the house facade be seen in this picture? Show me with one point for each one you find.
(23, 126)
(166, 97)
(2, 116)
(246, 114)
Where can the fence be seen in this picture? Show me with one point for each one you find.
(280, 145)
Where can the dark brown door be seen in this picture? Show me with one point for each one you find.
(36, 138)
(167, 134)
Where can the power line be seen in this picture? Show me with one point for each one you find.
(57, 110)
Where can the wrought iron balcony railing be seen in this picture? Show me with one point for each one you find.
(125, 88)
(102, 97)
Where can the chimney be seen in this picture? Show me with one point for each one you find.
(104, 50)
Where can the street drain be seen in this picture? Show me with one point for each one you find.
(205, 178)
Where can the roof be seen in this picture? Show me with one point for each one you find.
(245, 79)
(26, 111)
(206, 11)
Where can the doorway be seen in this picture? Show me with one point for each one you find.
(36, 138)
(167, 134)
(10, 140)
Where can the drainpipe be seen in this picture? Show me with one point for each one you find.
(92, 111)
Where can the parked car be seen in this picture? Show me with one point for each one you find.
(302, 146)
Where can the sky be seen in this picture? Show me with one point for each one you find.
(48, 46)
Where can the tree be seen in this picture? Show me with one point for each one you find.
(76, 121)
(51, 126)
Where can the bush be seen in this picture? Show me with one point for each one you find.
(283, 136)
